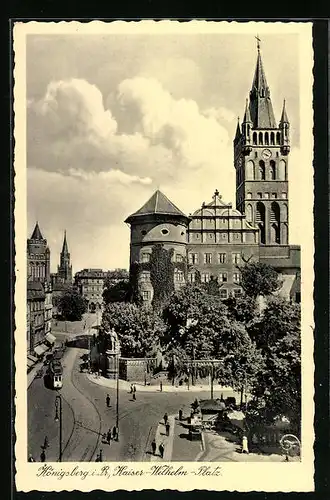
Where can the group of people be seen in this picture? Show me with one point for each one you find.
(161, 448)
(112, 434)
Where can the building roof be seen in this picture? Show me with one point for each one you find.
(157, 204)
(261, 108)
(36, 235)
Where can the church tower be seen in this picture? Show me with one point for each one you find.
(261, 150)
(64, 270)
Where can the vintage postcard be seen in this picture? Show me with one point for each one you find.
(164, 255)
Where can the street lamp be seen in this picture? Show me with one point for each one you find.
(58, 418)
(117, 391)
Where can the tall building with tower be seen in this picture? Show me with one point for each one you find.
(38, 257)
(217, 238)
(64, 270)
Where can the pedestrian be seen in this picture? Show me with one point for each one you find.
(134, 396)
(42, 456)
(114, 433)
(153, 446)
(161, 450)
(167, 427)
(245, 448)
(165, 418)
(101, 456)
(134, 388)
(180, 414)
(31, 459)
(161, 386)
(108, 400)
(109, 437)
(46, 442)
(131, 388)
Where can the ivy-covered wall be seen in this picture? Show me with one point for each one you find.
(161, 268)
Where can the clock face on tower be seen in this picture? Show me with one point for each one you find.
(266, 154)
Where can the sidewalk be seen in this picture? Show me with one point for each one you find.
(124, 385)
(161, 437)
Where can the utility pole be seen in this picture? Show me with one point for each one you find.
(212, 376)
(117, 398)
(58, 418)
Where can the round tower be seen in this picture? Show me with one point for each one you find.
(158, 263)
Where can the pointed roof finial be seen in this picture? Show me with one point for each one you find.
(258, 42)
(247, 114)
(284, 117)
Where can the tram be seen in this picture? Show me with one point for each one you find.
(55, 373)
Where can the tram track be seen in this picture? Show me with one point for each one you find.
(85, 453)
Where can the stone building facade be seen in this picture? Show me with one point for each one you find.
(217, 238)
(90, 285)
(38, 257)
(158, 222)
(39, 295)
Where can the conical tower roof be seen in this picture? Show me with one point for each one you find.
(261, 107)
(36, 235)
(238, 131)
(247, 114)
(158, 204)
(284, 117)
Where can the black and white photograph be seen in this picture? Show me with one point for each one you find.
(164, 241)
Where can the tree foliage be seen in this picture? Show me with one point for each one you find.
(258, 278)
(277, 334)
(116, 292)
(71, 305)
(138, 328)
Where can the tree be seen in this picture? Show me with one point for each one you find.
(116, 292)
(277, 334)
(138, 328)
(258, 278)
(71, 305)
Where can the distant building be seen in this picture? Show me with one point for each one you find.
(217, 239)
(38, 257)
(90, 285)
(39, 294)
(64, 269)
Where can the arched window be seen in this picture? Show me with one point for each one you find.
(282, 170)
(284, 212)
(249, 217)
(248, 130)
(254, 138)
(266, 139)
(250, 171)
(285, 234)
(260, 220)
(260, 138)
(275, 223)
(262, 175)
(272, 170)
(272, 138)
(278, 138)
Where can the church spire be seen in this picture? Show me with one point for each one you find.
(261, 108)
(65, 245)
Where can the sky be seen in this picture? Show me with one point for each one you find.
(111, 118)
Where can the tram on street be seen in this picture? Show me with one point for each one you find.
(55, 373)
